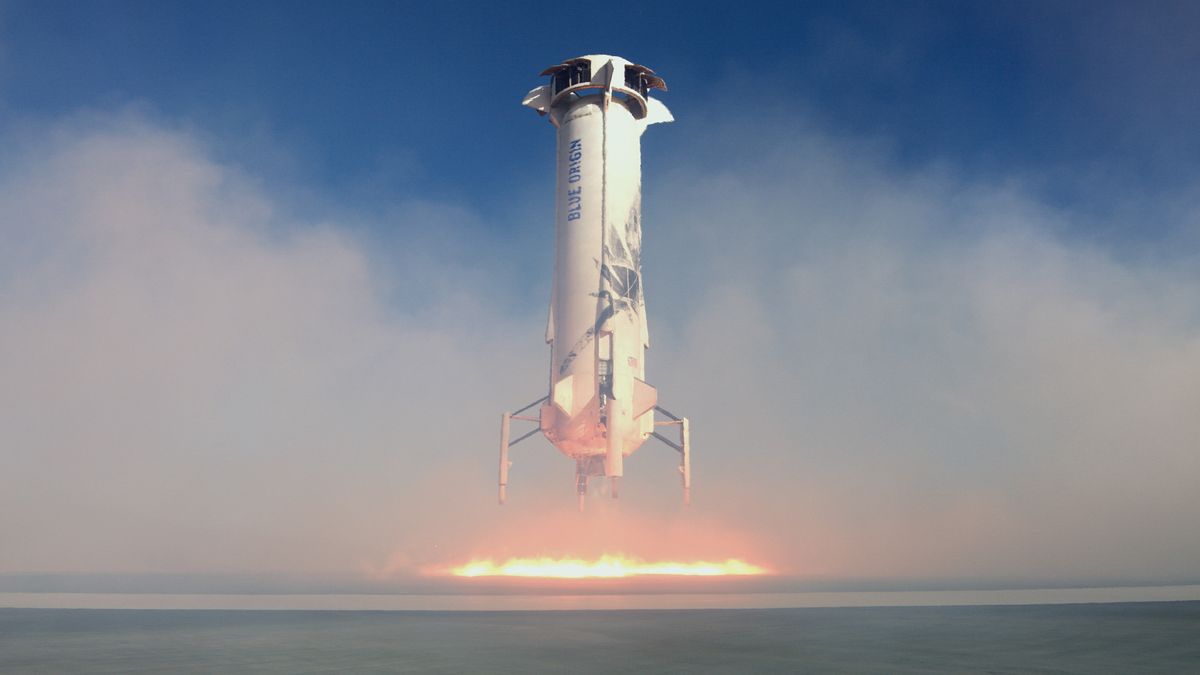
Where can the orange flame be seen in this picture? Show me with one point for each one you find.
(608, 566)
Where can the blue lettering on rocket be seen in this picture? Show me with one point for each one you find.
(574, 203)
(574, 175)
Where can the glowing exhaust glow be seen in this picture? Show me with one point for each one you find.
(609, 566)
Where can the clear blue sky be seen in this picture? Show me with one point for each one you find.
(420, 98)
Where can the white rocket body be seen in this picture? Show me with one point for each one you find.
(599, 408)
(599, 405)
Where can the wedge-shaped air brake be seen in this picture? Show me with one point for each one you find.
(656, 112)
(538, 98)
(563, 394)
(645, 397)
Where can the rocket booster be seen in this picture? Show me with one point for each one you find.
(599, 408)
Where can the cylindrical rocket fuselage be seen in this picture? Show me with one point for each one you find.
(599, 403)
(597, 238)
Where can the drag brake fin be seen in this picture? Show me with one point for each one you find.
(563, 394)
(538, 98)
(645, 397)
(656, 112)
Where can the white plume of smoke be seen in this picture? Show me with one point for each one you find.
(890, 374)
(191, 385)
(906, 375)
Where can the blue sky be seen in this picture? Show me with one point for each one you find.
(402, 96)
(923, 275)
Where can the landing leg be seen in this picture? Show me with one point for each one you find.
(683, 447)
(685, 463)
(504, 424)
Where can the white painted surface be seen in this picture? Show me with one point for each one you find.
(597, 318)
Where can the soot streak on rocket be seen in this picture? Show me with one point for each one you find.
(621, 270)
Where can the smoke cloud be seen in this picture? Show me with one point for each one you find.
(892, 373)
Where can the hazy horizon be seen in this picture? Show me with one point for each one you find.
(286, 583)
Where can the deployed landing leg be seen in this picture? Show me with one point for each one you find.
(683, 447)
(505, 421)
